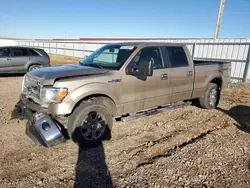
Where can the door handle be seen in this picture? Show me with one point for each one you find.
(8, 59)
(190, 73)
(164, 76)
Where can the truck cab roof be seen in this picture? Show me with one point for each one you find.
(150, 43)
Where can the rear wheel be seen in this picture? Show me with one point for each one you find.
(211, 98)
(34, 67)
(90, 123)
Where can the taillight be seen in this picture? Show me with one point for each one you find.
(49, 59)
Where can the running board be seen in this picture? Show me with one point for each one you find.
(154, 111)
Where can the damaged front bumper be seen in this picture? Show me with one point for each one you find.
(41, 128)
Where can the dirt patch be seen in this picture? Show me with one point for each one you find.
(188, 147)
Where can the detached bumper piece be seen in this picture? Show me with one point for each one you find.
(43, 129)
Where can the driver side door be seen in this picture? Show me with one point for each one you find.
(144, 92)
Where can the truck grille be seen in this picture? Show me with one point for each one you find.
(31, 88)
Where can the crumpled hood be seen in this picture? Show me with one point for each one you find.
(64, 71)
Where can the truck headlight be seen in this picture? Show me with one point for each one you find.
(55, 95)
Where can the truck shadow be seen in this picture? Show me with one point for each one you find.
(241, 114)
(12, 74)
(91, 169)
(16, 112)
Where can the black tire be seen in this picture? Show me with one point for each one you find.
(211, 98)
(82, 124)
(33, 67)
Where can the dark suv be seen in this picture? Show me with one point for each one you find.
(14, 59)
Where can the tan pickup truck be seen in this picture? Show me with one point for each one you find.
(116, 80)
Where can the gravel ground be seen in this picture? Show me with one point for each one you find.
(188, 147)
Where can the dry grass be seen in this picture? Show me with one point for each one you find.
(238, 92)
(236, 95)
(62, 60)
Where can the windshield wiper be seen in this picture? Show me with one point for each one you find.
(93, 65)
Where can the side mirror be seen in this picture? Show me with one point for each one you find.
(144, 68)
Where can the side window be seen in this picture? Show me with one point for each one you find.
(34, 53)
(20, 52)
(148, 53)
(177, 57)
(4, 52)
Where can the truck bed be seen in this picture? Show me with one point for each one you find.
(205, 62)
(204, 68)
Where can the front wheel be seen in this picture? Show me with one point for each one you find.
(211, 98)
(90, 124)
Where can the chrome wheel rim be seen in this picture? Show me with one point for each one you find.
(213, 96)
(35, 68)
(93, 126)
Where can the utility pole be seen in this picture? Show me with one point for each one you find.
(222, 3)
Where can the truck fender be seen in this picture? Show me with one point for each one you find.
(94, 89)
(212, 76)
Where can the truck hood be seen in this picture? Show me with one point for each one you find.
(50, 74)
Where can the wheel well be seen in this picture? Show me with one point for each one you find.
(109, 102)
(217, 81)
(32, 65)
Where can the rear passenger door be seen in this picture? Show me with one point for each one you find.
(20, 56)
(181, 73)
(4, 59)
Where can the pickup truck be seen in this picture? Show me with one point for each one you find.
(117, 79)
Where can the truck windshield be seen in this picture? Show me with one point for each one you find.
(109, 57)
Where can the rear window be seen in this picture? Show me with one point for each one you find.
(177, 57)
(20, 52)
(34, 53)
